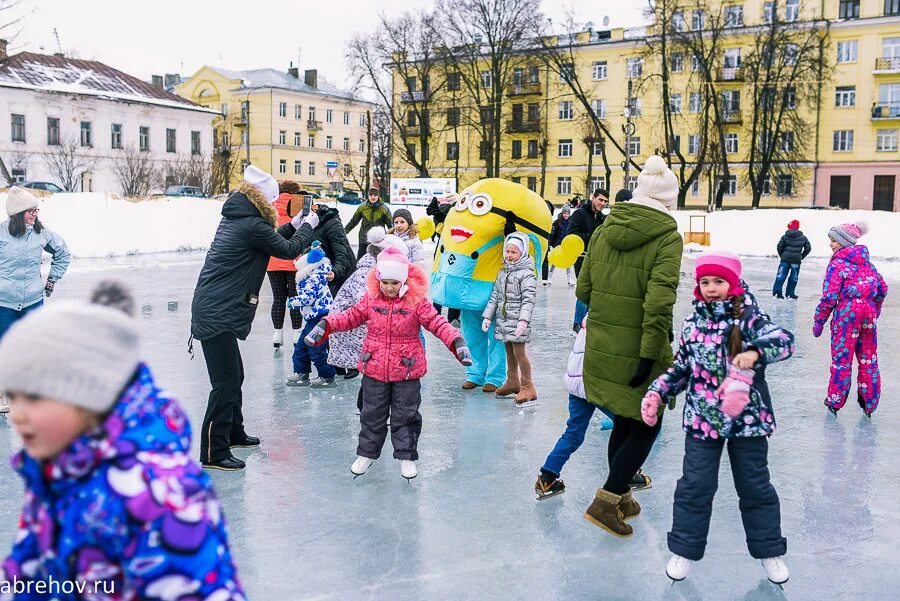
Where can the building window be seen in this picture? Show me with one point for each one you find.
(328, 115)
(362, 145)
(312, 168)
(768, 12)
(785, 184)
(534, 112)
(635, 104)
(298, 112)
(224, 109)
(843, 140)
(311, 141)
(346, 145)
(734, 15)
(282, 109)
(730, 185)
(486, 114)
(362, 119)
(731, 102)
(52, 131)
(87, 133)
(787, 141)
(516, 180)
(597, 147)
(634, 146)
(563, 185)
(144, 138)
(695, 103)
(532, 183)
(848, 9)
(565, 148)
(347, 170)
(695, 187)
(598, 106)
(598, 71)
(675, 145)
(678, 22)
(282, 137)
(887, 140)
(567, 72)
(791, 10)
(486, 79)
(598, 182)
(452, 151)
(116, 136)
(170, 140)
(847, 51)
(453, 116)
(453, 81)
(566, 110)
(298, 167)
(362, 172)
(695, 63)
(732, 58)
(845, 96)
(517, 149)
(731, 143)
(675, 103)
(328, 141)
(698, 20)
(282, 166)
(694, 144)
(297, 138)
(18, 128)
(18, 176)
(311, 113)
(195, 142)
(767, 187)
(411, 120)
(790, 97)
(891, 7)
(346, 118)
(633, 67)
(790, 54)
(532, 149)
(631, 184)
(676, 63)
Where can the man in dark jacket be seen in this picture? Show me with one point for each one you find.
(335, 245)
(588, 217)
(368, 215)
(792, 248)
(225, 302)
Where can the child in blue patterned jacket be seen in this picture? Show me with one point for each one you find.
(314, 301)
(724, 348)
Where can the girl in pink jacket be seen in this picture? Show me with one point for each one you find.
(392, 361)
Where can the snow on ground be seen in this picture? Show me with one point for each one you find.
(100, 225)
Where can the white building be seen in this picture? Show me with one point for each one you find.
(67, 119)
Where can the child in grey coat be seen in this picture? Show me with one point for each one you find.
(512, 304)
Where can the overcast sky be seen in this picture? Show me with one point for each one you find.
(179, 36)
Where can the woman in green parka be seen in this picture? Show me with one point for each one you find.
(629, 281)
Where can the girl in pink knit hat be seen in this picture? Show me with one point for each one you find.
(392, 361)
(852, 295)
(724, 348)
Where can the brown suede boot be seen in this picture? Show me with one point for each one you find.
(489, 388)
(630, 508)
(605, 512)
(527, 395)
(509, 387)
(469, 385)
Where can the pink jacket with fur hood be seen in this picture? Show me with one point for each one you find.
(392, 350)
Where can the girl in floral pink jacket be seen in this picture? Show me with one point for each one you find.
(852, 295)
(393, 358)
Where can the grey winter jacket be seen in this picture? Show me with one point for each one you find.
(512, 300)
(20, 265)
(344, 347)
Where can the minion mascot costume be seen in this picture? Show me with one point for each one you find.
(469, 256)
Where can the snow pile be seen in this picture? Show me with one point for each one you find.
(99, 225)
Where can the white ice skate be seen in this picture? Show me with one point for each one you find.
(678, 567)
(408, 469)
(278, 340)
(776, 570)
(4, 403)
(360, 466)
(322, 383)
(295, 380)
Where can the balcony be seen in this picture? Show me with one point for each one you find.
(419, 96)
(415, 131)
(886, 66)
(731, 117)
(731, 74)
(524, 89)
(313, 125)
(517, 126)
(886, 110)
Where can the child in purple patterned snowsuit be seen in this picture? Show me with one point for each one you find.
(852, 295)
(115, 508)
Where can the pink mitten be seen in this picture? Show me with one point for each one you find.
(650, 407)
(735, 390)
(520, 329)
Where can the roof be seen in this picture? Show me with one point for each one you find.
(43, 72)
(273, 78)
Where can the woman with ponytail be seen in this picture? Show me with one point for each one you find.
(724, 348)
(852, 295)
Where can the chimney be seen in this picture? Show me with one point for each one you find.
(157, 81)
(310, 76)
(294, 71)
(3, 54)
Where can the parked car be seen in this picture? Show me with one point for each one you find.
(185, 191)
(46, 186)
(350, 198)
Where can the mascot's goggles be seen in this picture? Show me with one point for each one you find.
(481, 203)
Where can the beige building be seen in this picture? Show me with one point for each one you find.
(297, 129)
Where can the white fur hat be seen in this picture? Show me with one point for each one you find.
(19, 200)
(656, 181)
(262, 181)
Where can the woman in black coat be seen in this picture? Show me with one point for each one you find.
(335, 245)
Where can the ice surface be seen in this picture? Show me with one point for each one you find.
(468, 527)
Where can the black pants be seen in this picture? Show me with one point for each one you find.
(760, 507)
(451, 312)
(283, 286)
(400, 401)
(224, 421)
(629, 446)
(545, 268)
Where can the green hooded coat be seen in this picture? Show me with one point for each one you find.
(629, 281)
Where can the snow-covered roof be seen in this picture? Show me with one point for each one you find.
(43, 72)
(273, 78)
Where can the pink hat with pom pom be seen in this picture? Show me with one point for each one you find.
(720, 264)
(392, 264)
(847, 234)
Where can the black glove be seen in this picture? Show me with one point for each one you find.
(48, 288)
(645, 367)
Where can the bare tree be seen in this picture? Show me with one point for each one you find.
(199, 172)
(786, 67)
(381, 148)
(67, 163)
(12, 17)
(226, 156)
(134, 171)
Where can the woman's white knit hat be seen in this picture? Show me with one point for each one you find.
(18, 200)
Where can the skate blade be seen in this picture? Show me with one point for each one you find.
(549, 495)
(355, 475)
(526, 404)
(296, 385)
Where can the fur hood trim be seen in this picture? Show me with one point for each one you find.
(256, 198)
(417, 284)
